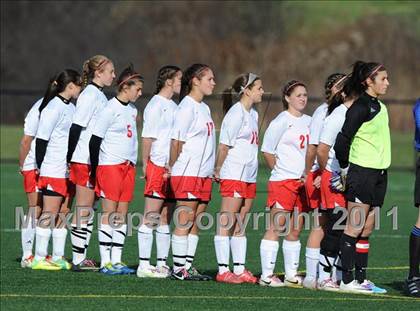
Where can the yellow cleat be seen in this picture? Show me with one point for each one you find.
(44, 264)
(62, 263)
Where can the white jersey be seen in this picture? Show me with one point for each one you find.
(54, 126)
(332, 126)
(89, 104)
(117, 126)
(240, 132)
(287, 138)
(316, 127)
(158, 119)
(194, 126)
(30, 128)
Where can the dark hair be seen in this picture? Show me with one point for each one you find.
(91, 65)
(356, 83)
(128, 77)
(58, 83)
(288, 89)
(194, 71)
(330, 82)
(165, 73)
(237, 88)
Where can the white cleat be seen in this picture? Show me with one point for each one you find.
(149, 272)
(355, 287)
(163, 272)
(328, 285)
(295, 281)
(271, 281)
(309, 282)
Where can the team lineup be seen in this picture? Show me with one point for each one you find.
(87, 153)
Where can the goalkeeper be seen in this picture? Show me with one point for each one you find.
(363, 149)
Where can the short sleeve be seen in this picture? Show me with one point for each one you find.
(103, 122)
(184, 118)
(316, 127)
(32, 120)
(231, 127)
(272, 136)
(85, 107)
(151, 117)
(332, 126)
(47, 122)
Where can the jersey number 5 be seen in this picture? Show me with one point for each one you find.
(129, 131)
(302, 141)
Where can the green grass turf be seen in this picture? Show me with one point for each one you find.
(25, 289)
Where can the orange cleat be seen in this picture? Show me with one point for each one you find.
(247, 277)
(228, 277)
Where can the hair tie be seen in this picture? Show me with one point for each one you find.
(55, 82)
(129, 78)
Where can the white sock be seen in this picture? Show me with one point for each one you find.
(105, 243)
(221, 244)
(59, 242)
(238, 247)
(192, 247)
(89, 230)
(179, 251)
(28, 236)
(325, 262)
(268, 254)
(145, 239)
(291, 254)
(42, 239)
(118, 239)
(312, 259)
(78, 239)
(163, 243)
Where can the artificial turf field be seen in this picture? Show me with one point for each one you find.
(25, 289)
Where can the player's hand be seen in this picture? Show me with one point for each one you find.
(317, 182)
(338, 180)
(167, 173)
(216, 175)
(143, 169)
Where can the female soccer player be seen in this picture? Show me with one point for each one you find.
(192, 159)
(113, 156)
(156, 140)
(363, 149)
(28, 169)
(284, 149)
(413, 281)
(236, 168)
(312, 182)
(50, 154)
(98, 71)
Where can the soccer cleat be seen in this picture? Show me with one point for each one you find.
(27, 262)
(85, 265)
(181, 275)
(123, 269)
(375, 289)
(195, 275)
(229, 277)
(163, 272)
(44, 264)
(328, 285)
(309, 282)
(109, 269)
(247, 277)
(354, 287)
(412, 288)
(271, 281)
(62, 263)
(295, 282)
(149, 272)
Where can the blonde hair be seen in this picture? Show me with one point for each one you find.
(91, 65)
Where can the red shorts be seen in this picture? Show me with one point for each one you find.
(79, 175)
(191, 188)
(156, 185)
(288, 194)
(62, 186)
(313, 194)
(330, 198)
(115, 182)
(30, 180)
(237, 189)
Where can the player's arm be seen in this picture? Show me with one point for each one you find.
(25, 146)
(74, 135)
(271, 140)
(176, 149)
(310, 156)
(222, 152)
(322, 155)
(47, 123)
(149, 132)
(94, 148)
(270, 159)
(355, 117)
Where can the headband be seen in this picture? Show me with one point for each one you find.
(339, 81)
(292, 85)
(251, 79)
(375, 70)
(103, 62)
(129, 78)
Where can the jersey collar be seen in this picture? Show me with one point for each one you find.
(100, 88)
(64, 100)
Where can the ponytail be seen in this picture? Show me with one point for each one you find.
(58, 84)
(335, 101)
(227, 99)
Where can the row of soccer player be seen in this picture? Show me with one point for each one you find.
(97, 140)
